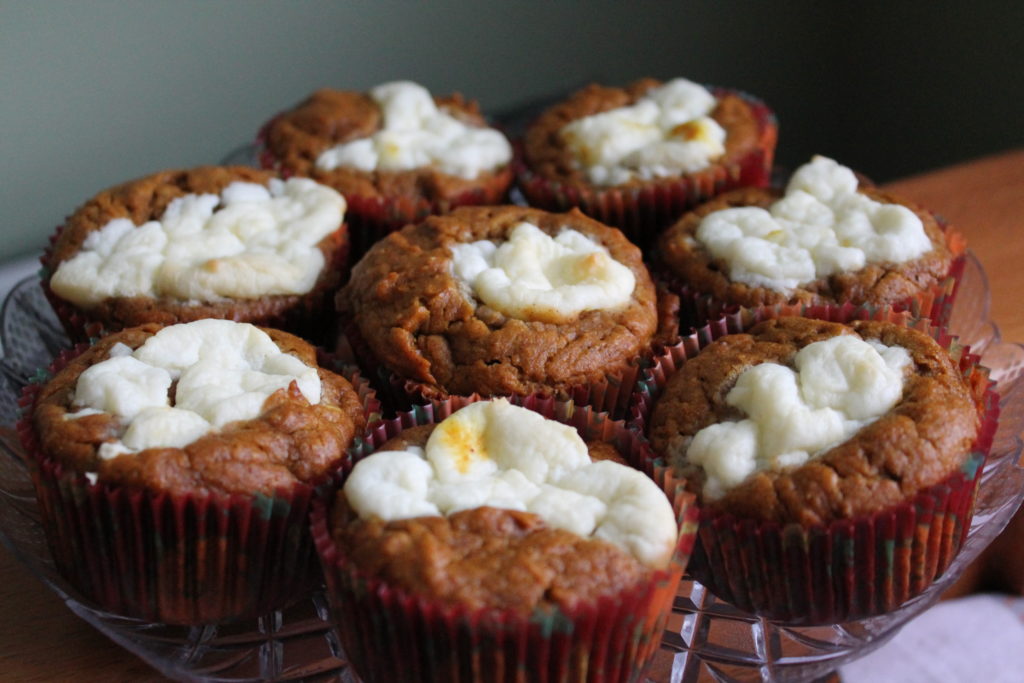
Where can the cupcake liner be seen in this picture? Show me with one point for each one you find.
(641, 212)
(371, 218)
(934, 302)
(840, 572)
(305, 318)
(849, 569)
(170, 558)
(389, 635)
(610, 394)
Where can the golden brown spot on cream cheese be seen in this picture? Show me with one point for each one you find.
(691, 130)
(591, 265)
(466, 443)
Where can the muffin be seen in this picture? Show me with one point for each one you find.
(830, 238)
(638, 157)
(835, 464)
(497, 542)
(396, 153)
(212, 242)
(175, 465)
(501, 301)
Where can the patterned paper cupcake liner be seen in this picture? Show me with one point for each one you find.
(371, 218)
(934, 302)
(391, 635)
(642, 212)
(170, 558)
(305, 318)
(849, 569)
(610, 394)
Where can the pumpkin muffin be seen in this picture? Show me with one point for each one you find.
(175, 465)
(397, 153)
(637, 157)
(829, 238)
(505, 301)
(492, 524)
(212, 242)
(814, 436)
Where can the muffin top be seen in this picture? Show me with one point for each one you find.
(808, 421)
(605, 136)
(212, 406)
(829, 237)
(498, 507)
(182, 244)
(503, 300)
(394, 141)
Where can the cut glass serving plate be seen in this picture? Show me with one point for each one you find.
(706, 639)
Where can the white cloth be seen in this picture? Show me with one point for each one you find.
(977, 638)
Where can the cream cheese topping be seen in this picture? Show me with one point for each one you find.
(665, 133)
(222, 372)
(839, 385)
(416, 133)
(249, 242)
(820, 227)
(533, 276)
(496, 454)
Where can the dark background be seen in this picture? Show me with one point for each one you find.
(96, 92)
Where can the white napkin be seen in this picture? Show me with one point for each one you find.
(977, 638)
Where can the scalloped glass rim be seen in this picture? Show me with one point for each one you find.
(705, 637)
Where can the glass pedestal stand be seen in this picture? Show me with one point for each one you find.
(706, 639)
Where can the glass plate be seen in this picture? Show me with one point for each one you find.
(706, 639)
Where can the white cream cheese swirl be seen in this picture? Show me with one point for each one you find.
(495, 454)
(820, 227)
(250, 241)
(222, 372)
(665, 133)
(416, 133)
(533, 276)
(838, 386)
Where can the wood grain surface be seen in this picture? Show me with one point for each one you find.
(41, 640)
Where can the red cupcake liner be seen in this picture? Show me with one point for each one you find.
(176, 559)
(372, 218)
(642, 212)
(390, 635)
(849, 569)
(305, 319)
(935, 302)
(610, 394)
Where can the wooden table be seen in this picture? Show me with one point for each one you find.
(40, 639)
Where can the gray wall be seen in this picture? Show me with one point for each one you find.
(95, 92)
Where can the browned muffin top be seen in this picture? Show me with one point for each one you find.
(876, 283)
(547, 154)
(485, 557)
(924, 438)
(409, 309)
(488, 558)
(292, 441)
(146, 199)
(295, 138)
